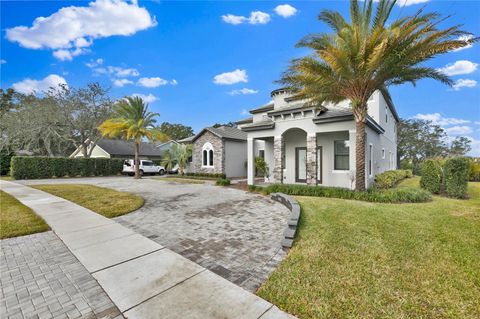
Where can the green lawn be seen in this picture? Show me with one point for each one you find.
(355, 259)
(17, 219)
(107, 202)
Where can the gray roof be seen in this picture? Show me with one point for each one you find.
(224, 132)
(260, 125)
(243, 121)
(338, 115)
(187, 139)
(126, 148)
(264, 108)
(333, 113)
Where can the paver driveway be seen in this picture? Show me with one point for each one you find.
(234, 233)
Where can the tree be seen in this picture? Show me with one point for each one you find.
(229, 124)
(176, 131)
(179, 155)
(132, 121)
(460, 146)
(368, 54)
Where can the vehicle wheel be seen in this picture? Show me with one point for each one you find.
(141, 172)
(131, 174)
(161, 172)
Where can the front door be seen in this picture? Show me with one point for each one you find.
(301, 164)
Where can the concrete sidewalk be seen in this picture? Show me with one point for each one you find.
(143, 279)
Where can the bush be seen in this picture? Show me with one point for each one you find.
(389, 179)
(431, 178)
(47, 167)
(207, 175)
(5, 160)
(223, 182)
(456, 177)
(397, 195)
(474, 172)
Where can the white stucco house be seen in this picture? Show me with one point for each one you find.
(308, 145)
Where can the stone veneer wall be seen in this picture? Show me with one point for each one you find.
(311, 160)
(218, 154)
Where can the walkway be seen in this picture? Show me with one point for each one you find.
(143, 279)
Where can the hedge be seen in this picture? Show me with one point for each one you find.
(208, 175)
(24, 167)
(396, 195)
(389, 179)
(456, 177)
(222, 182)
(431, 178)
(5, 160)
(474, 175)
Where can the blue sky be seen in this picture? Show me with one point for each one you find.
(202, 63)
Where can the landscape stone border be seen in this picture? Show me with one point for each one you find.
(294, 207)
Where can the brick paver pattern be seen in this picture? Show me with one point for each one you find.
(41, 278)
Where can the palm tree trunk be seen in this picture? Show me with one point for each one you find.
(360, 138)
(137, 160)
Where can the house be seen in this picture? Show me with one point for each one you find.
(221, 150)
(316, 145)
(111, 148)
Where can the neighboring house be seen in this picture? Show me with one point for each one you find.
(316, 146)
(219, 150)
(110, 148)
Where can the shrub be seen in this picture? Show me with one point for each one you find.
(253, 188)
(207, 175)
(474, 172)
(431, 178)
(5, 160)
(389, 179)
(46, 167)
(397, 195)
(456, 177)
(223, 182)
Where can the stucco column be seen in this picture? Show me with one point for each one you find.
(312, 159)
(351, 163)
(278, 152)
(250, 161)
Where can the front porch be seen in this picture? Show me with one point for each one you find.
(313, 158)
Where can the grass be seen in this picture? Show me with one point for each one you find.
(6, 178)
(355, 259)
(179, 180)
(104, 201)
(17, 219)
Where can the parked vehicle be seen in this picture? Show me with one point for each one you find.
(146, 167)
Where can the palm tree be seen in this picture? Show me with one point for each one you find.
(367, 54)
(132, 121)
(179, 155)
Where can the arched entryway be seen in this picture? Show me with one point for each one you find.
(294, 156)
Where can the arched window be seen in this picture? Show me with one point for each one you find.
(207, 153)
(205, 157)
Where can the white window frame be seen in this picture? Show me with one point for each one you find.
(208, 147)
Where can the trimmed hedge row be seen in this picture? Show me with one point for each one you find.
(24, 167)
(209, 175)
(449, 177)
(432, 174)
(5, 160)
(389, 179)
(397, 195)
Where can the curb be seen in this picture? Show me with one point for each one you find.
(294, 207)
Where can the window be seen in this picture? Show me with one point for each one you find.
(205, 157)
(386, 115)
(147, 163)
(261, 153)
(207, 154)
(342, 155)
(370, 154)
(383, 153)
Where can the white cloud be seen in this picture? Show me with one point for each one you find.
(94, 63)
(116, 71)
(475, 144)
(233, 77)
(72, 29)
(244, 112)
(459, 130)
(402, 3)
(173, 82)
(243, 91)
(461, 83)
(2, 61)
(459, 67)
(256, 17)
(465, 38)
(29, 86)
(122, 82)
(150, 98)
(437, 118)
(151, 82)
(285, 10)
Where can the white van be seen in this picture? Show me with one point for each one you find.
(146, 167)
